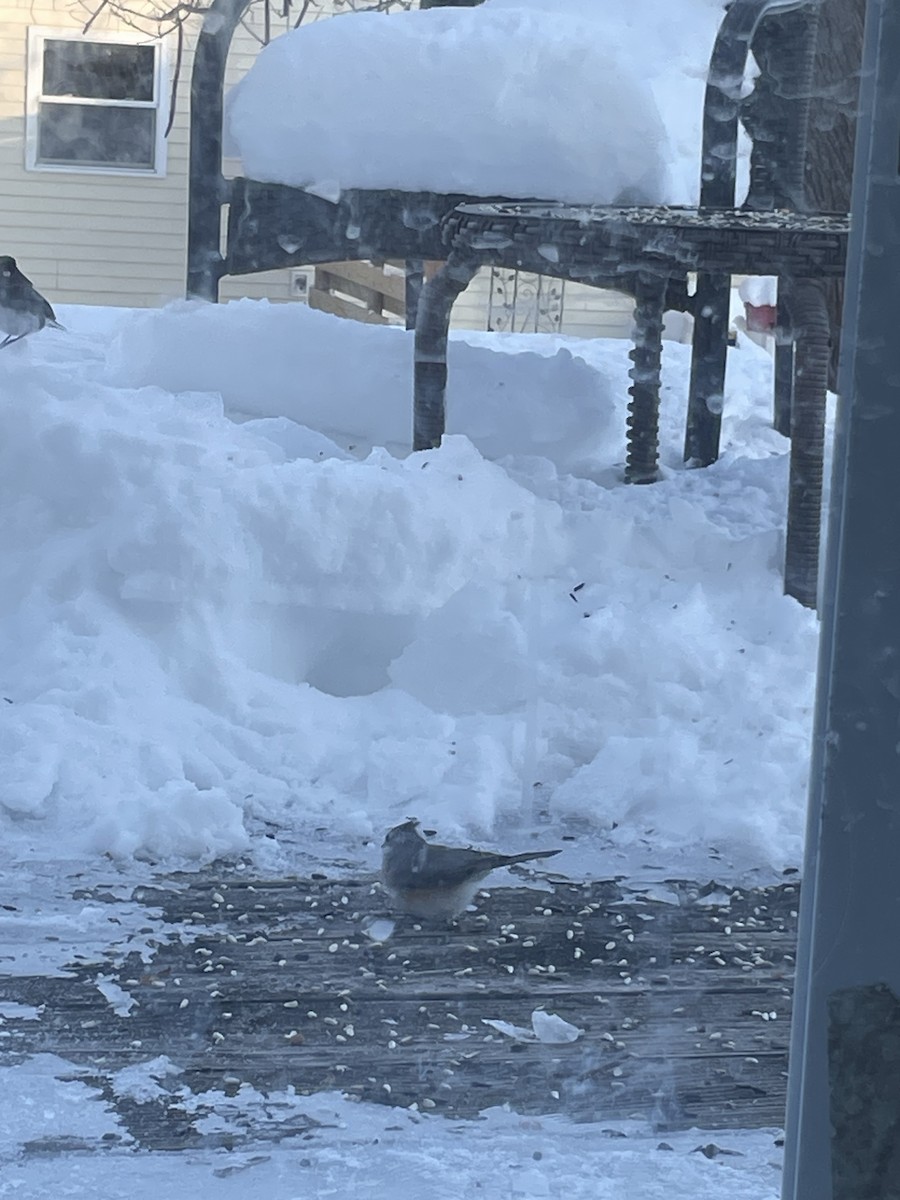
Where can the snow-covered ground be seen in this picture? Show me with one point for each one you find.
(234, 623)
(361, 1152)
(228, 609)
(240, 619)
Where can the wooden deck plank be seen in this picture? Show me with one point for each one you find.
(684, 1005)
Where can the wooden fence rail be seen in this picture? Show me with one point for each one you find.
(364, 291)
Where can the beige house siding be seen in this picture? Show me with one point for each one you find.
(92, 237)
(84, 236)
(120, 239)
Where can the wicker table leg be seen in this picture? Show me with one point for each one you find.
(813, 348)
(415, 281)
(783, 383)
(642, 434)
(707, 386)
(432, 331)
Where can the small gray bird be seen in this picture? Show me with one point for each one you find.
(438, 881)
(23, 309)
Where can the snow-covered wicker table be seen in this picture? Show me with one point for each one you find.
(272, 223)
(652, 250)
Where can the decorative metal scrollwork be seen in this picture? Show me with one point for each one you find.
(522, 302)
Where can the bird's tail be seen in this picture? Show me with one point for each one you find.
(528, 856)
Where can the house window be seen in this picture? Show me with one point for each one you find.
(94, 104)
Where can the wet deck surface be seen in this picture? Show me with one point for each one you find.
(682, 994)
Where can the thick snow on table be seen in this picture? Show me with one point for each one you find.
(566, 100)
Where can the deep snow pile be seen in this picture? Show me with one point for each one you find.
(222, 614)
(570, 100)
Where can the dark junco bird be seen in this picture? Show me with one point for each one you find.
(23, 309)
(438, 881)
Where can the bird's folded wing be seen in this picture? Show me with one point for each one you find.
(447, 867)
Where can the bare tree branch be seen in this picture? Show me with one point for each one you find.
(304, 9)
(157, 19)
(95, 15)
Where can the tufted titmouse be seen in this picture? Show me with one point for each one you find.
(438, 881)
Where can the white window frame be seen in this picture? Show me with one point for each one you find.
(37, 35)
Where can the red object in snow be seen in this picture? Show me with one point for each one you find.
(761, 318)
